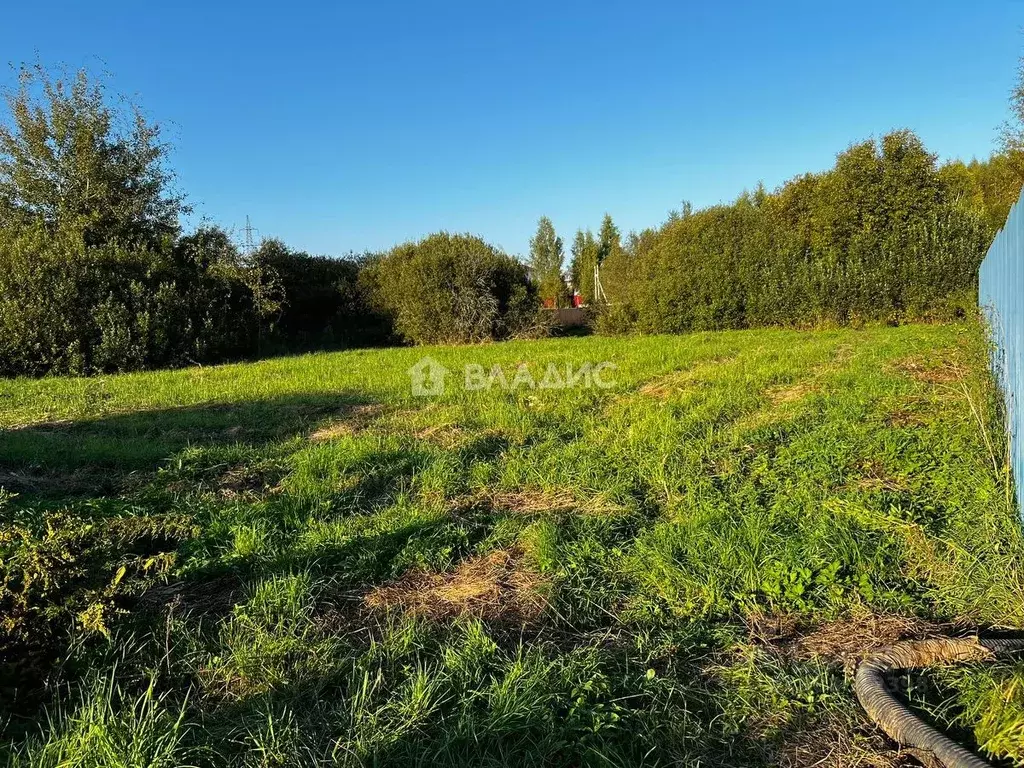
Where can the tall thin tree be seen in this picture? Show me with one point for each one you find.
(546, 257)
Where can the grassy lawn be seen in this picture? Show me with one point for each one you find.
(298, 562)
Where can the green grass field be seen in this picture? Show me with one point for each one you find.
(298, 562)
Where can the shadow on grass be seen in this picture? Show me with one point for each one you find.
(61, 459)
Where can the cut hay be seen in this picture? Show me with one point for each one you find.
(443, 435)
(946, 370)
(843, 641)
(355, 420)
(790, 393)
(56, 484)
(876, 478)
(664, 387)
(536, 501)
(496, 587)
(676, 382)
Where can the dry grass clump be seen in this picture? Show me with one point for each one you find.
(876, 478)
(443, 435)
(216, 595)
(943, 370)
(55, 483)
(663, 387)
(356, 419)
(844, 640)
(669, 384)
(498, 587)
(790, 393)
(903, 417)
(848, 639)
(831, 744)
(535, 501)
(242, 481)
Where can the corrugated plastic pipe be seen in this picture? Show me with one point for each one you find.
(895, 718)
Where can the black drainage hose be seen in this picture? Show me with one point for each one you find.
(899, 722)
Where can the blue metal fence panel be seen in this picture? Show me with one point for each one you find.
(1001, 295)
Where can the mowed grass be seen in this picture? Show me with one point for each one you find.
(298, 562)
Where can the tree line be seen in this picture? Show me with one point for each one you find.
(887, 234)
(97, 274)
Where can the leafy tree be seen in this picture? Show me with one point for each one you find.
(68, 158)
(1011, 136)
(612, 259)
(584, 259)
(546, 258)
(452, 289)
(322, 302)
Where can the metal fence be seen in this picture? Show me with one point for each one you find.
(1001, 296)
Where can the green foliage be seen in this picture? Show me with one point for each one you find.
(110, 728)
(67, 307)
(613, 261)
(546, 257)
(990, 701)
(68, 159)
(324, 304)
(453, 288)
(73, 568)
(1009, 162)
(885, 235)
(581, 268)
(93, 274)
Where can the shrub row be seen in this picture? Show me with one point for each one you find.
(70, 308)
(885, 235)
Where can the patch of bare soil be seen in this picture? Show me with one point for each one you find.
(498, 587)
(354, 420)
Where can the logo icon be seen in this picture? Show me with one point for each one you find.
(427, 377)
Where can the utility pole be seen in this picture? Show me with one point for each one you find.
(599, 293)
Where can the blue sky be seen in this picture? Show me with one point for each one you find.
(352, 126)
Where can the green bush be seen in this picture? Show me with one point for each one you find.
(324, 304)
(453, 289)
(70, 308)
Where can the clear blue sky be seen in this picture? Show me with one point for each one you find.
(351, 126)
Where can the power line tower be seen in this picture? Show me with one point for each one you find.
(249, 246)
